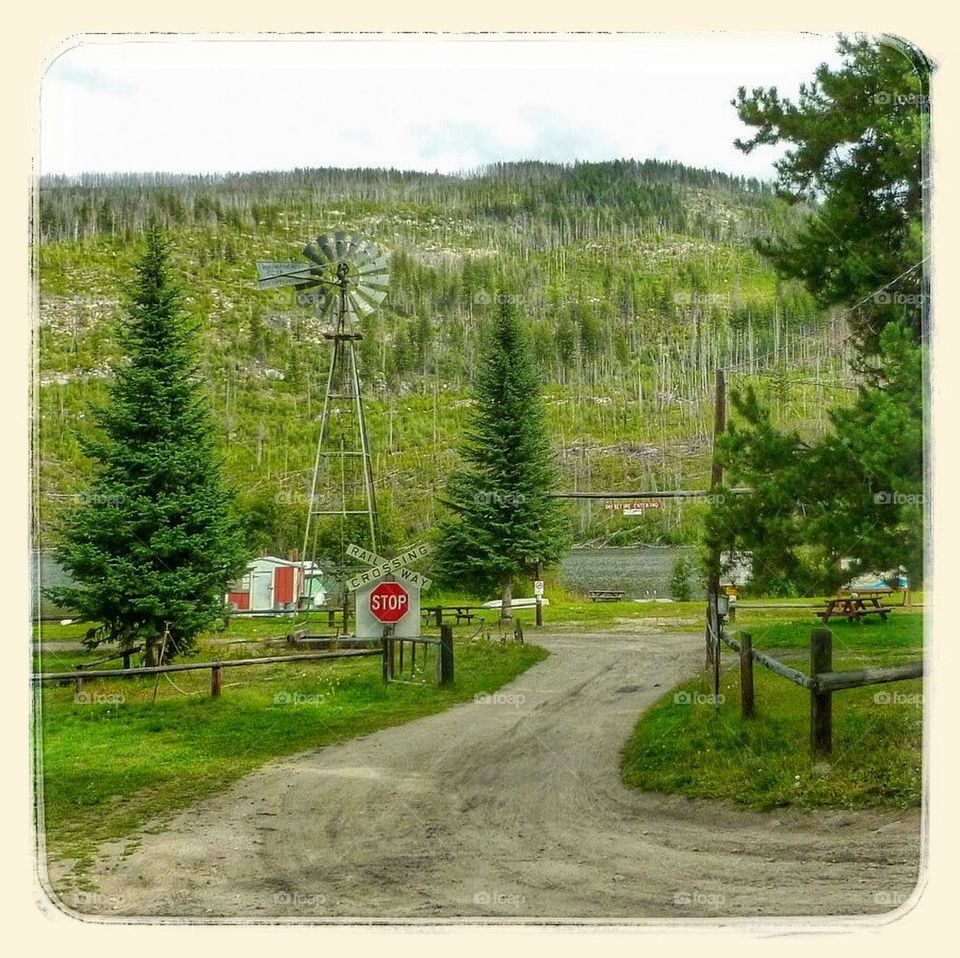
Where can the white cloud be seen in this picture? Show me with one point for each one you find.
(416, 103)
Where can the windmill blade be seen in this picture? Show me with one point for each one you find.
(376, 266)
(354, 249)
(329, 247)
(325, 308)
(341, 246)
(360, 307)
(375, 279)
(313, 251)
(375, 296)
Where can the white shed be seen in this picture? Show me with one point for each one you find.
(272, 584)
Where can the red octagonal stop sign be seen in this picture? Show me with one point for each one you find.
(389, 602)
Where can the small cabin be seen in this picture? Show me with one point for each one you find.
(271, 584)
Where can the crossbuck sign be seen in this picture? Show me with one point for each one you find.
(380, 601)
(379, 567)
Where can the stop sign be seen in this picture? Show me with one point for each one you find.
(389, 602)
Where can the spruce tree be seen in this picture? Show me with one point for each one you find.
(504, 519)
(155, 541)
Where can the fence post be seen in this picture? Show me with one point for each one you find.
(446, 654)
(746, 675)
(216, 680)
(438, 616)
(126, 660)
(387, 654)
(821, 703)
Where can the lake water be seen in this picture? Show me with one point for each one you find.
(640, 571)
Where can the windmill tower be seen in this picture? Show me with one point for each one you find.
(346, 279)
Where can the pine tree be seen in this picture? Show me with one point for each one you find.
(504, 519)
(155, 541)
(856, 137)
(680, 579)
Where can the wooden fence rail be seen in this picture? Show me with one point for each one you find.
(216, 668)
(821, 683)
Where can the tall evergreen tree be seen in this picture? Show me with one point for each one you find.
(856, 135)
(155, 541)
(504, 519)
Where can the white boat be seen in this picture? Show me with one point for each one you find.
(530, 603)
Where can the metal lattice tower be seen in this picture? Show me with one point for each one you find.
(347, 279)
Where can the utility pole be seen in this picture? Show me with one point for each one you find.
(713, 573)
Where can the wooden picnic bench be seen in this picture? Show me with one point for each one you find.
(463, 613)
(606, 595)
(855, 606)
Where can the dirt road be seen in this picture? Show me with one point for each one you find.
(510, 808)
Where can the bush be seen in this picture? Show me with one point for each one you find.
(680, 579)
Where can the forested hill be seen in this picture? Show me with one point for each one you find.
(636, 280)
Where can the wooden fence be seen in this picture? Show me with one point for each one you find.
(821, 683)
(388, 650)
(216, 668)
(443, 657)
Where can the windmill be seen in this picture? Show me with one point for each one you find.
(346, 279)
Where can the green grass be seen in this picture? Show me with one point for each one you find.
(692, 749)
(116, 765)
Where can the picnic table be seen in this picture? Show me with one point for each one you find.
(855, 606)
(606, 595)
(463, 613)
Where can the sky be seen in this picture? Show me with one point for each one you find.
(450, 104)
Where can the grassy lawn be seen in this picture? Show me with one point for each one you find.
(120, 761)
(685, 746)
(566, 611)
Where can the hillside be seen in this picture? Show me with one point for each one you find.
(636, 279)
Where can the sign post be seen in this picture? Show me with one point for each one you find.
(538, 592)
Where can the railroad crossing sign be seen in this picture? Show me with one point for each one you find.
(389, 602)
(381, 567)
(382, 601)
